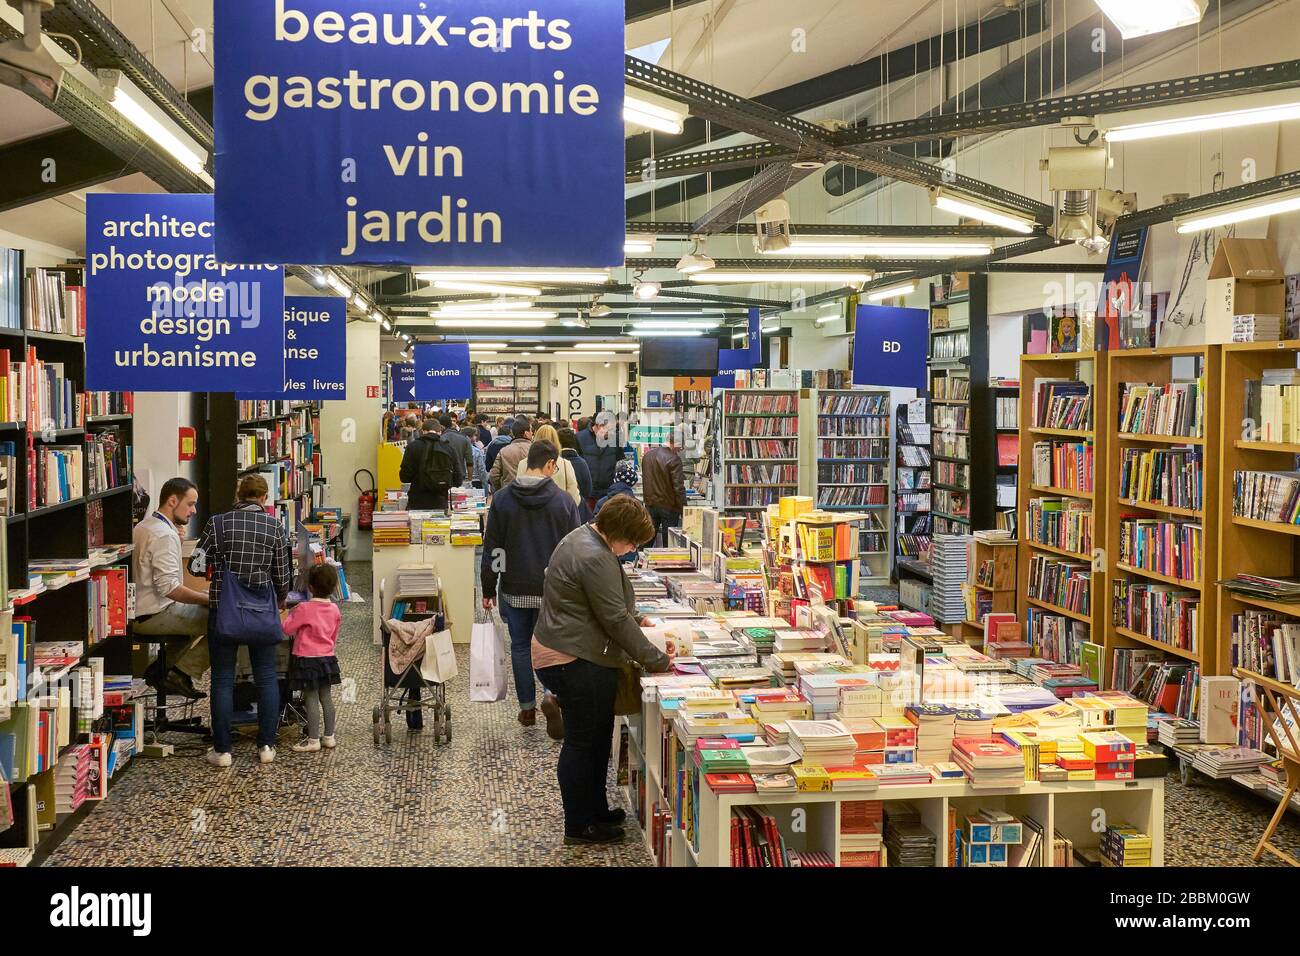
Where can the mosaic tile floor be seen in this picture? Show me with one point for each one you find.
(487, 799)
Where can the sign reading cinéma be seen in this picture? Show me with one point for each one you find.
(421, 132)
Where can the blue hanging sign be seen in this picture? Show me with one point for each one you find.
(410, 132)
(731, 360)
(890, 346)
(315, 351)
(442, 372)
(163, 313)
(401, 383)
(755, 338)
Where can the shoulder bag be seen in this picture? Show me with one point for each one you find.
(245, 615)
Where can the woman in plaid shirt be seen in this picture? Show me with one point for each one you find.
(254, 545)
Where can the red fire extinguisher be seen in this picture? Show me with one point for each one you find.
(366, 503)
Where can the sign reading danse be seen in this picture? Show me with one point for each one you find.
(421, 132)
(315, 351)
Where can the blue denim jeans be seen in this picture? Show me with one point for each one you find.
(263, 658)
(520, 622)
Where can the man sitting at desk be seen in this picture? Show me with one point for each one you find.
(163, 604)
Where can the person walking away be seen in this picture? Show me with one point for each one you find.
(528, 518)
(432, 468)
(512, 456)
(598, 446)
(463, 446)
(570, 453)
(313, 664)
(254, 546)
(503, 437)
(479, 473)
(664, 487)
(484, 432)
(586, 632)
(164, 605)
(565, 477)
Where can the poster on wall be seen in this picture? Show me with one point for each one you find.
(315, 351)
(890, 347)
(442, 372)
(402, 383)
(421, 132)
(164, 313)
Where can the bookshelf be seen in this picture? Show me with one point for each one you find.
(912, 499)
(1139, 528)
(504, 389)
(758, 448)
(1063, 527)
(1004, 396)
(847, 437)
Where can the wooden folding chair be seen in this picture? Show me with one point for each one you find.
(1277, 695)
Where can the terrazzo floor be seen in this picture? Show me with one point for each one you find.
(488, 798)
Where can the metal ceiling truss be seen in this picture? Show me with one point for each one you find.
(682, 230)
(104, 47)
(1263, 189)
(1046, 112)
(706, 161)
(772, 182)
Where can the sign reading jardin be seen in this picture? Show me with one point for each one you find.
(164, 314)
(315, 351)
(421, 132)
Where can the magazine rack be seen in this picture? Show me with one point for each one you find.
(1278, 696)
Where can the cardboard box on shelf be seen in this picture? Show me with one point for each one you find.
(1245, 278)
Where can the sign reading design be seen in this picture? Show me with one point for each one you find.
(421, 132)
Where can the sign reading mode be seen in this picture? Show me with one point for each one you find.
(420, 132)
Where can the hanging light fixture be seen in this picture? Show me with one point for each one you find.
(696, 260)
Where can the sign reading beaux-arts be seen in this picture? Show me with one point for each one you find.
(420, 132)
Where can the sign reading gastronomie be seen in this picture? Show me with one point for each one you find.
(442, 372)
(315, 351)
(890, 346)
(164, 313)
(421, 132)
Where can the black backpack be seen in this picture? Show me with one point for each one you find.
(437, 467)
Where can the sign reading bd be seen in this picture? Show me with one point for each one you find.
(890, 347)
(421, 132)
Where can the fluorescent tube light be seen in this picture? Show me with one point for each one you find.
(607, 345)
(882, 248)
(654, 112)
(503, 314)
(645, 291)
(1240, 212)
(494, 305)
(1205, 123)
(892, 292)
(702, 326)
(737, 276)
(827, 319)
(665, 334)
(486, 323)
(639, 245)
(488, 346)
(586, 355)
(128, 100)
(1139, 18)
(534, 276)
(971, 210)
(490, 288)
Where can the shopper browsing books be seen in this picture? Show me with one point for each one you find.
(478, 474)
(586, 633)
(565, 477)
(665, 487)
(599, 447)
(164, 605)
(570, 453)
(528, 518)
(313, 666)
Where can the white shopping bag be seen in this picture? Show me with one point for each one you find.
(439, 664)
(489, 665)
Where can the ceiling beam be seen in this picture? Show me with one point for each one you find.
(637, 10)
(772, 183)
(682, 230)
(705, 161)
(1197, 205)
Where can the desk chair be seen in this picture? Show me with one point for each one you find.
(163, 722)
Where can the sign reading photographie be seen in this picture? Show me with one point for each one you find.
(421, 132)
(890, 346)
(442, 372)
(164, 313)
(315, 351)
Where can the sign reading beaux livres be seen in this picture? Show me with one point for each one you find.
(421, 132)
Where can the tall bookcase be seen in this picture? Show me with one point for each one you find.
(1055, 631)
(912, 496)
(758, 448)
(1159, 367)
(503, 389)
(1005, 399)
(847, 442)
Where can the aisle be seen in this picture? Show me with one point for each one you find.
(487, 799)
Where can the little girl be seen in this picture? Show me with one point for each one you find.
(314, 627)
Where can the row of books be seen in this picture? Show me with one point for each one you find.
(11, 289)
(1271, 405)
(59, 474)
(836, 427)
(1176, 408)
(1267, 644)
(1267, 496)
(757, 474)
(955, 504)
(1007, 412)
(1171, 548)
(32, 390)
(911, 456)
(1062, 403)
(876, 403)
(98, 404)
(842, 495)
(1063, 464)
(950, 346)
(108, 457)
(952, 388)
(55, 304)
(951, 418)
(855, 473)
(1065, 584)
(762, 448)
(949, 445)
(1055, 637)
(752, 497)
(1167, 476)
(762, 427)
(253, 411)
(952, 473)
(1163, 613)
(761, 403)
(1061, 522)
(911, 478)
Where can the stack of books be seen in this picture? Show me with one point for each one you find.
(392, 529)
(1225, 762)
(861, 832)
(1178, 733)
(1125, 845)
(936, 727)
(949, 566)
(822, 742)
(907, 842)
(989, 762)
(1256, 328)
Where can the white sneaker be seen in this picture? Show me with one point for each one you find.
(266, 754)
(308, 745)
(328, 742)
(218, 760)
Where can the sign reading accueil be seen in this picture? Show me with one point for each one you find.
(401, 382)
(163, 313)
(442, 372)
(890, 346)
(315, 351)
(421, 132)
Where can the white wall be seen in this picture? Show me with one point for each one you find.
(159, 416)
(350, 429)
(573, 386)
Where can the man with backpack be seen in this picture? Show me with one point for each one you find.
(433, 467)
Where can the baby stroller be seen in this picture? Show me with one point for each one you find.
(409, 692)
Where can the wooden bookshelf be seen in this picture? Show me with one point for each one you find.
(1245, 545)
(1161, 366)
(1090, 367)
